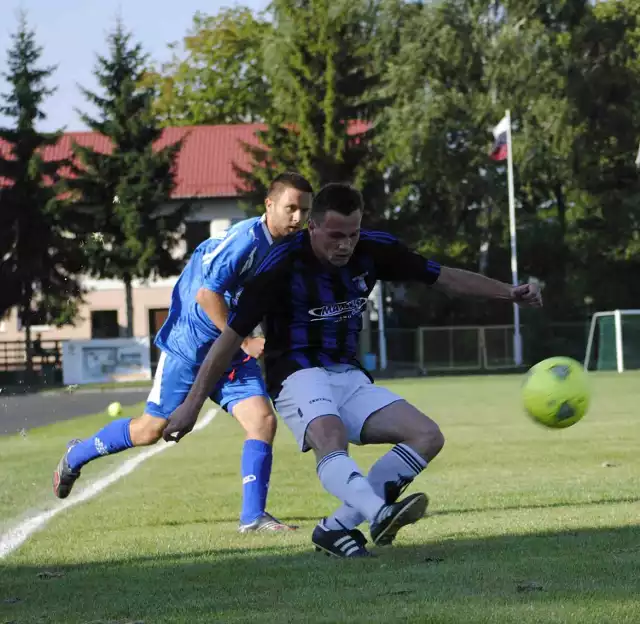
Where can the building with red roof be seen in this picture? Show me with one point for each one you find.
(207, 177)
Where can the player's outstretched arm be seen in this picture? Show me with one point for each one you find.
(184, 418)
(459, 282)
(395, 262)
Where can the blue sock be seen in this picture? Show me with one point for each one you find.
(112, 439)
(256, 472)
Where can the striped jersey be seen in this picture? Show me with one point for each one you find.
(220, 264)
(312, 312)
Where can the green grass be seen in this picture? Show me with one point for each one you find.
(527, 525)
(27, 463)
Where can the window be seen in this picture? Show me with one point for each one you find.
(40, 320)
(196, 233)
(104, 324)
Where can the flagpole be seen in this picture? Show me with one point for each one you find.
(382, 337)
(517, 337)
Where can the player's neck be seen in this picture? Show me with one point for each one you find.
(274, 235)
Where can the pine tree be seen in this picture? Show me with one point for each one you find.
(40, 252)
(320, 63)
(127, 188)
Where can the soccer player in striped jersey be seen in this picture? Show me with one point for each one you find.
(312, 290)
(208, 287)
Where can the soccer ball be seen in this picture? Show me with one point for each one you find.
(114, 409)
(556, 392)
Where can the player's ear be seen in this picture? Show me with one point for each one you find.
(268, 203)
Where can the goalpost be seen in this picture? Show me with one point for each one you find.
(616, 343)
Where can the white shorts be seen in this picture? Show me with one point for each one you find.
(314, 392)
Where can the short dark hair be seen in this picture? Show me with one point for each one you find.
(337, 196)
(288, 179)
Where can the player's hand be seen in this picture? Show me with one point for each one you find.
(253, 347)
(181, 422)
(527, 295)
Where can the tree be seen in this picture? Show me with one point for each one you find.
(219, 77)
(605, 88)
(319, 61)
(460, 64)
(40, 253)
(446, 192)
(127, 189)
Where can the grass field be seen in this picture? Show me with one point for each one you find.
(526, 525)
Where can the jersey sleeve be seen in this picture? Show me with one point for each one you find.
(260, 292)
(395, 262)
(223, 266)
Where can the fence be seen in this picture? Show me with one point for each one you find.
(46, 361)
(409, 351)
(477, 348)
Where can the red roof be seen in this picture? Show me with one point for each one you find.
(205, 164)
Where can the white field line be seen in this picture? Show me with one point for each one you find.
(14, 538)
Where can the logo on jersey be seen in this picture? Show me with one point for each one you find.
(360, 282)
(236, 296)
(249, 263)
(339, 311)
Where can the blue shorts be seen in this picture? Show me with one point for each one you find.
(174, 378)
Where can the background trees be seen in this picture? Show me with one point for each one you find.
(126, 191)
(41, 256)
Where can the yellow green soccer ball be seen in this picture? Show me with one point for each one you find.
(556, 392)
(114, 409)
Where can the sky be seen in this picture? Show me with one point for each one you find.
(72, 32)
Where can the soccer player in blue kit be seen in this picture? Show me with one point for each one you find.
(205, 292)
(311, 291)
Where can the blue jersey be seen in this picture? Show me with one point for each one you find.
(221, 264)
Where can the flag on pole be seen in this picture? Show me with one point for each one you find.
(500, 149)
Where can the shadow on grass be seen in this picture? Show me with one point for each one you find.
(443, 512)
(581, 576)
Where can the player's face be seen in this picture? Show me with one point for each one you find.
(288, 212)
(336, 236)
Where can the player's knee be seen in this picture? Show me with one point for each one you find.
(262, 426)
(146, 430)
(256, 418)
(427, 439)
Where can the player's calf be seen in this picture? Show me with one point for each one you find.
(426, 440)
(256, 416)
(402, 423)
(116, 437)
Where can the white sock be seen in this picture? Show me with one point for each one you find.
(400, 465)
(340, 476)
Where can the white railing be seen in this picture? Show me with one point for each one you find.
(452, 348)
